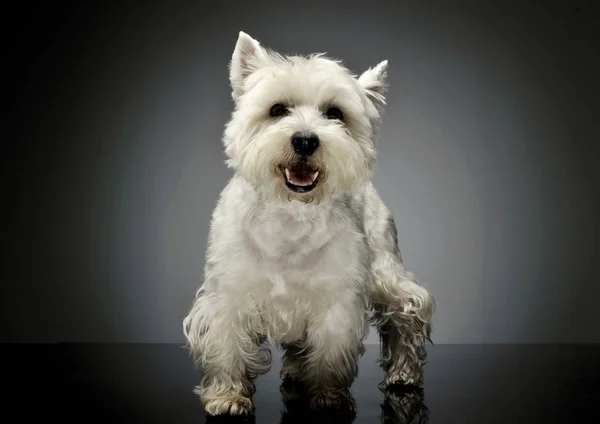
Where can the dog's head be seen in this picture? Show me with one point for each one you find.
(303, 127)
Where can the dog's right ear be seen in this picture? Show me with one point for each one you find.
(246, 59)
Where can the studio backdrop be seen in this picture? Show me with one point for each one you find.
(488, 156)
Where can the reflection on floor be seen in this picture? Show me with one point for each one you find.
(144, 383)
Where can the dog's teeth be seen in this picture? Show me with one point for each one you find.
(298, 183)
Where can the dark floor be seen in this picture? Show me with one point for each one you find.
(465, 384)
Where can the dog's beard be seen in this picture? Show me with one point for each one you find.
(270, 164)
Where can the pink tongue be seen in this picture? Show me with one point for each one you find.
(300, 178)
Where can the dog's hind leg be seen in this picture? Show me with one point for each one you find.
(402, 308)
(291, 368)
(402, 312)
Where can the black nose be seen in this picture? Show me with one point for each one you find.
(305, 144)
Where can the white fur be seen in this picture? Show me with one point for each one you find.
(301, 269)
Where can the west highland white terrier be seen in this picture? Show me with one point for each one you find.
(302, 252)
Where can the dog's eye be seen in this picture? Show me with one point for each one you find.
(334, 113)
(278, 110)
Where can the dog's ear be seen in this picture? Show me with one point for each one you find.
(374, 81)
(246, 59)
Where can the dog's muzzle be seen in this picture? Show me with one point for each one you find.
(300, 176)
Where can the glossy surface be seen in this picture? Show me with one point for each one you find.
(139, 383)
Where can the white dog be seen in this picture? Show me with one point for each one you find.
(301, 247)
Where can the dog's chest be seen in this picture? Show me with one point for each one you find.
(292, 237)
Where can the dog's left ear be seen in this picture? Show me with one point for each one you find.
(246, 59)
(374, 81)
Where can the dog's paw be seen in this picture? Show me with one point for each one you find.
(229, 405)
(291, 370)
(289, 374)
(291, 390)
(403, 377)
(339, 399)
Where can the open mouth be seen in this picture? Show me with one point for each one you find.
(300, 178)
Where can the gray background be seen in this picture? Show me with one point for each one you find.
(488, 158)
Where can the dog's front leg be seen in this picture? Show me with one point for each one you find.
(224, 342)
(334, 344)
